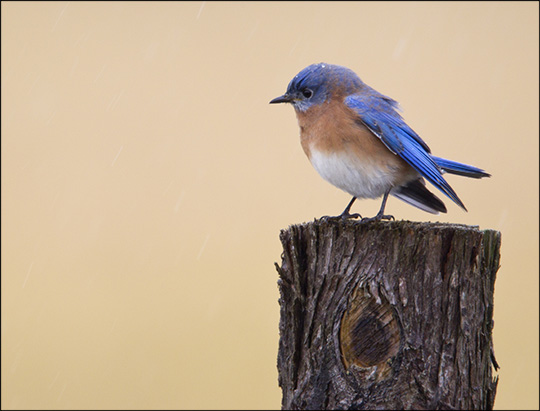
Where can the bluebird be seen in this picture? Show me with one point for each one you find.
(357, 141)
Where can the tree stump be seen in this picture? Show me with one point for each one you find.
(387, 315)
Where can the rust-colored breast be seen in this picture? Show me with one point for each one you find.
(332, 127)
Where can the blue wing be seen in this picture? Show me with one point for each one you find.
(378, 114)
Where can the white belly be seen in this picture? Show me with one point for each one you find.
(361, 179)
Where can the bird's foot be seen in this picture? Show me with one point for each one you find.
(378, 217)
(341, 217)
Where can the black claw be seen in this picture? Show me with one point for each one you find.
(378, 218)
(345, 215)
(341, 217)
(380, 215)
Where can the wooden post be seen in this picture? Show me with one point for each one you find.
(387, 315)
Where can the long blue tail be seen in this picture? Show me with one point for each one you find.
(453, 167)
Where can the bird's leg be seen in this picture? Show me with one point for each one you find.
(380, 215)
(345, 214)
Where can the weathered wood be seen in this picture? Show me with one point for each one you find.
(387, 315)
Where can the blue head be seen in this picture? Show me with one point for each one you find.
(316, 83)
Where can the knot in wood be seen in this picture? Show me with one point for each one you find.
(369, 333)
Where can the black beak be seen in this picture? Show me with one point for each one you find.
(285, 98)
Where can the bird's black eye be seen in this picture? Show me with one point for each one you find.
(307, 93)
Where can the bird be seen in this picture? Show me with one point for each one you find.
(356, 139)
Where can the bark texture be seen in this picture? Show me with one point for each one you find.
(387, 315)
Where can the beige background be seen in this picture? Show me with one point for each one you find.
(145, 180)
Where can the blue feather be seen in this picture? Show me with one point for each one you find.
(377, 113)
(461, 169)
